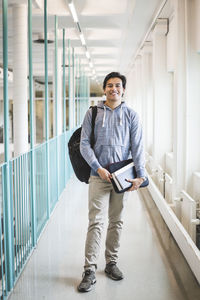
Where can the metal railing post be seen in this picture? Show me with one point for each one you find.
(64, 105)
(32, 156)
(8, 236)
(69, 86)
(46, 107)
(56, 101)
(73, 89)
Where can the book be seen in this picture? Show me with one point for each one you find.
(120, 177)
(121, 171)
(116, 182)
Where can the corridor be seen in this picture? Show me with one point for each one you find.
(54, 58)
(55, 267)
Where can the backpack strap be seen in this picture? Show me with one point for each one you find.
(94, 114)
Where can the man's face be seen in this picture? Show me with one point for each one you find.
(114, 89)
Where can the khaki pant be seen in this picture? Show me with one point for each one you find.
(101, 197)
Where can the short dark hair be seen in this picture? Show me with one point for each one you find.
(114, 75)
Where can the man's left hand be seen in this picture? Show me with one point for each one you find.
(136, 183)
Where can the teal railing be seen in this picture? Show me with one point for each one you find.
(21, 200)
(53, 167)
(41, 199)
(62, 162)
(31, 184)
(3, 252)
(21, 211)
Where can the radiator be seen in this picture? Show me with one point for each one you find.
(196, 186)
(188, 214)
(168, 188)
(169, 163)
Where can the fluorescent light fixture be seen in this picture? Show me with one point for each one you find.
(82, 39)
(91, 65)
(73, 11)
(87, 54)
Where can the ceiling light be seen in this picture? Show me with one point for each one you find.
(73, 11)
(41, 39)
(82, 39)
(91, 65)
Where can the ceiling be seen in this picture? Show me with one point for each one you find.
(113, 32)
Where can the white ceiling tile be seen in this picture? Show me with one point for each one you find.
(103, 7)
(72, 34)
(104, 61)
(113, 30)
(104, 50)
(103, 34)
(104, 68)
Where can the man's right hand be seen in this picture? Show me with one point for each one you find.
(104, 174)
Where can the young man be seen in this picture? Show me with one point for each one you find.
(118, 136)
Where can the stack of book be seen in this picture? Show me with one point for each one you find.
(121, 172)
(121, 176)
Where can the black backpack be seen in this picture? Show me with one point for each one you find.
(80, 166)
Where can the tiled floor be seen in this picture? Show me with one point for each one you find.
(153, 265)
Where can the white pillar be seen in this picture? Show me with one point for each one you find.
(138, 85)
(20, 95)
(193, 92)
(162, 91)
(179, 108)
(129, 96)
(196, 18)
(147, 101)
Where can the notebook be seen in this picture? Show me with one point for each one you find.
(121, 171)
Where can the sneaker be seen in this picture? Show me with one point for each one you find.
(87, 282)
(113, 271)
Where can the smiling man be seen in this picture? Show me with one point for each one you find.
(118, 136)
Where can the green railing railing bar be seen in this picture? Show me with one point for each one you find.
(5, 79)
(46, 104)
(69, 86)
(77, 90)
(64, 102)
(33, 210)
(30, 72)
(73, 87)
(7, 200)
(52, 173)
(41, 186)
(46, 73)
(56, 73)
(7, 275)
(56, 101)
(64, 87)
(79, 67)
(2, 245)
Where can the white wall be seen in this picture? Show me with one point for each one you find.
(164, 87)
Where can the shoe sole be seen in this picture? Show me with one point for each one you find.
(88, 290)
(113, 278)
